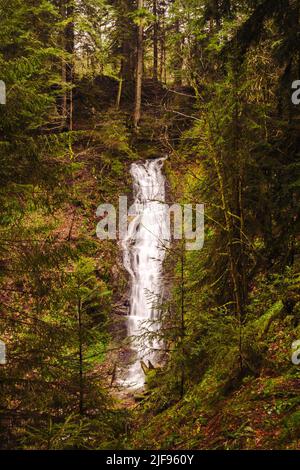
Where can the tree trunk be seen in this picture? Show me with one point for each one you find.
(155, 41)
(178, 59)
(80, 354)
(67, 68)
(162, 71)
(120, 86)
(70, 43)
(139, 71)
(182, 321)
(127, 40)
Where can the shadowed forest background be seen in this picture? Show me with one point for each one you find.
(92, 86)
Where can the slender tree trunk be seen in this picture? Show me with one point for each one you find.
(155, 41)
(70, 43)
(64, 97)
(139, 72)
(161, 63)
(215, 15)
(178, 60)
(182, 320)
(66, 8)
(80, 353)
(120, 86)
(126, 32)
(162, 71)
(227, 7)
(62, 101)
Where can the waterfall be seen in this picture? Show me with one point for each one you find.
(144, 251)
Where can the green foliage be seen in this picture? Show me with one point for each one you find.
(292, 424)
(76, 432)
(226, 380)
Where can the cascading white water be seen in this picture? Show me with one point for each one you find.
(144, 253)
